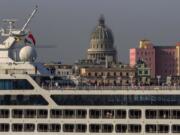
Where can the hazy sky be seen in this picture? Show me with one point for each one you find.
(68, 24)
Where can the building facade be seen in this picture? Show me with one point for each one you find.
(162, 60)
(115, 76)
(145, 52)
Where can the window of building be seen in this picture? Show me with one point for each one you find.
(54, 127)
(95, 113)
(42, 127)
(55, 113)
(4, 127)
(94, 128)
(68, 128)
(30, 113)
(81, 113)
(69, 113)
(4, 113)
(28, 127)
(120, 114)
(151, 114)
(17, 113)
(134, 114)
(121, 128)
(107, 128)
(81, 128)
(175, 129)
(162, 128)
(17, 127)
(42, 113)
(133, 128)
(150, 128)
(109, 114)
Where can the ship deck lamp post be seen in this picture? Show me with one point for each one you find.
(104, 79)
(158, 79)
(131, 79)
(51, 77)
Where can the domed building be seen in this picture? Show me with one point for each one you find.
(101, 43)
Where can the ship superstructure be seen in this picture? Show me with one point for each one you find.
(30, 104)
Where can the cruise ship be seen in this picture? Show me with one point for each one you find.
(28, 107)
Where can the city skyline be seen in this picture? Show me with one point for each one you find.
(65, 24)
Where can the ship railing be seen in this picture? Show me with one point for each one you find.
(111, 87)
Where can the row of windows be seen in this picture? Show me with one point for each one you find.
(15, 84)
(70, 113)
(93, 113)
(108, 74)
(93, 128)
(22, 100)
(162, 114)
(106, 100)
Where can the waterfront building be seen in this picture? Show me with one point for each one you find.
(162, 60)
(121, 75)
(143, 73)
(165, 61)
(59, 69)
(145, 52)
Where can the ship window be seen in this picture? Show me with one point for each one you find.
(150, 128)
(42, 113)
(164, 114)
(30, 113)
(42, 127)
(120, 114)
(94, 128)
(68, 128)
(163, 128)
(15, 84)
(132, 128)
(134, 114)
(104, 100)
(4, 127)
(22, 100)
(107, 128)
(54, 127)
(4, 113)
(28, 127)
(55, 113)
(17, 127)
(175, 128)
(81, 128)
(17, 113)
(81, 113)
(108, 114)
(121, 128)
(69, 113)
(175, 114)
(95, 113)
(151, 114)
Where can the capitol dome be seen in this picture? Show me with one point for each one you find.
(101, 42)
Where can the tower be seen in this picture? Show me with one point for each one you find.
(101, 43)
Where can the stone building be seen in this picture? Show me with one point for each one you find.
(59, 69)
(143, 73)
(121, 75)
(101, 44)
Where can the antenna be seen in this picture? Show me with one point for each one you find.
(10, 22)
(29, 19)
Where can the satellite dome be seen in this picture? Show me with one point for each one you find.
(27, 53)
